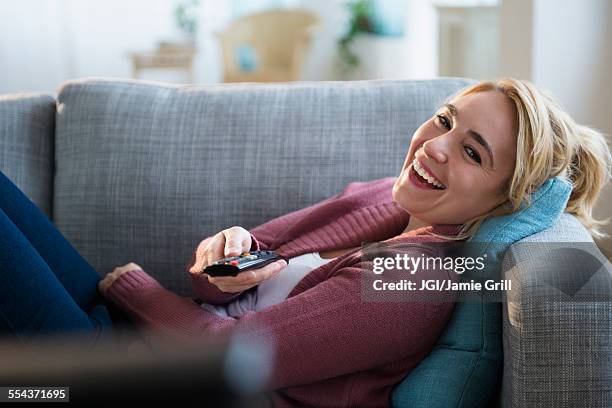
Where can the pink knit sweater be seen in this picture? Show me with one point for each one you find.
(331, 348)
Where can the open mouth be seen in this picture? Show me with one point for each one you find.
(425, 179)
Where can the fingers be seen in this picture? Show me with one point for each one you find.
(105, 283)
(237, 241)
(255, 276)
(127, 267)
(247, 279)
(211, 243)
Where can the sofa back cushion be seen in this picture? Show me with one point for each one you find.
(27, 124)
(146, 171)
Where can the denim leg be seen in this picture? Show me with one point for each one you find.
(74, 273)
(32, 300)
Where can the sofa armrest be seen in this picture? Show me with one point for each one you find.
(27, 128)
(557, 326)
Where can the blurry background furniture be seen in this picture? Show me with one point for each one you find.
(468, 41)
(267, 47)
(133, 171)
(167, 56)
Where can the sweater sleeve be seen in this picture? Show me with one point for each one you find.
(323, 332)
(277, 231)
(209, 293)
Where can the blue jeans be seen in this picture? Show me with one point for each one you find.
(46, 287)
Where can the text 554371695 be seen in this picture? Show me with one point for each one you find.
(56, 394)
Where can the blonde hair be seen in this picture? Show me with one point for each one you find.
(549, 144)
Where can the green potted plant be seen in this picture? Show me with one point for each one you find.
(186, 18)
(376, 27)
(360, 13)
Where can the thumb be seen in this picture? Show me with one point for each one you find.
(232, 247)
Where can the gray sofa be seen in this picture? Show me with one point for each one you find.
(137, 171)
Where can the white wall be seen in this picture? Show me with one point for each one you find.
(573, 56)
(32, 49)
(46, 42)
(320, 64)
(563, 46)
(516, 38)
(422, 36)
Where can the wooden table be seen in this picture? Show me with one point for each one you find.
(166, 58)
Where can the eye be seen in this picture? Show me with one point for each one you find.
(473, 154)
(444, 121)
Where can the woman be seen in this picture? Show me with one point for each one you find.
(481, 154)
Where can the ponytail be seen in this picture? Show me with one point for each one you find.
(589, 171)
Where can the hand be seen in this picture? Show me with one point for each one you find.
(229, 242)
(247, 279)
(110, 278)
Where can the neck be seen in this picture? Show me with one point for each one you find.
(415, 223)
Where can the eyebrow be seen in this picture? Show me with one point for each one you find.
(452, 108)
(475, 135)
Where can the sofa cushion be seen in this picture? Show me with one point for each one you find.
(145, 171)
(27, 124)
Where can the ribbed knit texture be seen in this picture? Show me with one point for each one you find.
(331, 348)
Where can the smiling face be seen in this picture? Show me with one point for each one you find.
(460, 161)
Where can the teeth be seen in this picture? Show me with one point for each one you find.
(421, 172)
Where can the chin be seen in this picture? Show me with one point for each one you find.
(402, 202)
(401, 194)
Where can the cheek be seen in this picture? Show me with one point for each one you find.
(420, 136)
(423, 133)
(477, 195)
(475, 187)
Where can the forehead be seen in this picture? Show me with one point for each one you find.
(487, 109)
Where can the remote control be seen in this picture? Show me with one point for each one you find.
(233, 265)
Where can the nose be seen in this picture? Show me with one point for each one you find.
(436, 149)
